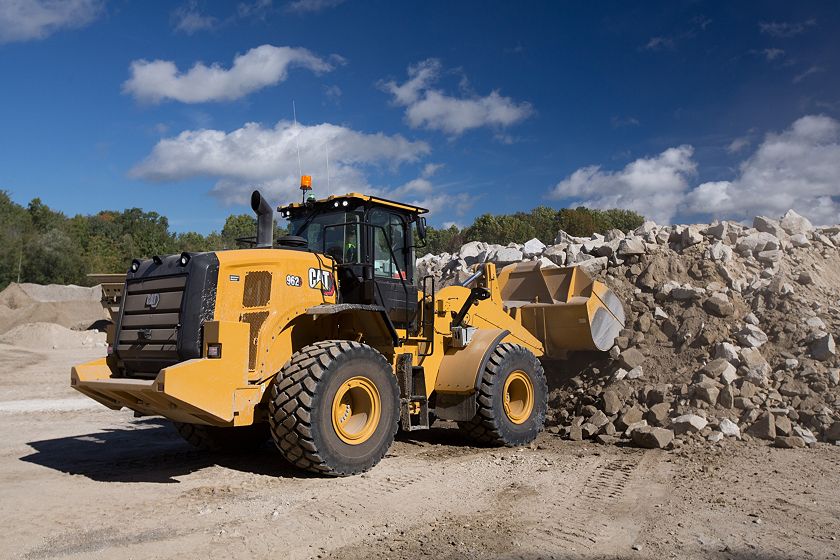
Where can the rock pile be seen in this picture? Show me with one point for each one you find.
(729, 332)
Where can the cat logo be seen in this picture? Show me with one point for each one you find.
(152, 300)
(321, 280)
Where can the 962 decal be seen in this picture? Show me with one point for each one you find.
(294, 281)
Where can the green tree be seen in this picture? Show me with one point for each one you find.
(446, 240)
(625, 220)
(144, 234)
(15, 227)
(579, 221)
(238, 226)
(191, 242)
(544, 221)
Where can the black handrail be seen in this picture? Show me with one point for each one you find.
(430, 348)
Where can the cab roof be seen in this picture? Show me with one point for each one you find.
(363, 198)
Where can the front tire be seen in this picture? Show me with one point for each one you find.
(334, 408)
(511, 399)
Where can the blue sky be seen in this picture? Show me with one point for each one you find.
(680, 110)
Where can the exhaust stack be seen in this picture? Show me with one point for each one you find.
(265, 220)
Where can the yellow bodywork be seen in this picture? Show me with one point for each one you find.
(259, 333)
(225, 391)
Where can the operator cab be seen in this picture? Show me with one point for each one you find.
(371, 241)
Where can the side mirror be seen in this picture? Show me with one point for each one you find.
(421, 228)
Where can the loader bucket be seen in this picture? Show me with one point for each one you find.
(563, 307)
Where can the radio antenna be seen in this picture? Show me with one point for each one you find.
(297, 136)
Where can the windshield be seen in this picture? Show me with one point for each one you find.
(335, 234)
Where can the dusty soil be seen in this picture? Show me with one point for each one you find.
(79, 481)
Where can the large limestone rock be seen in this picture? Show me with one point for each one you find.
(631, 246)
(757, 242)
(794, 224)
(718, 230)
(652, 438)
(556, 254)
(751, 336)
(764, 427)
(768, 225)
(631, 358)
(729, 428)
(507, 255)
(472, 250)
(533, 247)
(688, 423)
(595, 266)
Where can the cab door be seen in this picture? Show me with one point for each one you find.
(389, 251)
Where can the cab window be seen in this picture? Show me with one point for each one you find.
(388, 244)
(335, 234)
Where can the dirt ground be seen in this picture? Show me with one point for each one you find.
(80, 481)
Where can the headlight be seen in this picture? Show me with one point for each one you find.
(185, 258)
(135, 265)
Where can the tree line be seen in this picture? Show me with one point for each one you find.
(44, 246)
(542, 223)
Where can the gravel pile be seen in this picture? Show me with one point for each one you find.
(74, 307)
(729, 332)
(40, 336)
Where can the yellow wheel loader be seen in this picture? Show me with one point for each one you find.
(325, 342)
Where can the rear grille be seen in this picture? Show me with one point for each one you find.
(257, 291)
(148, 338)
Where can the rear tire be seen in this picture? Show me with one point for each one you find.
(233, 439)
(511, 399)
(334, 408)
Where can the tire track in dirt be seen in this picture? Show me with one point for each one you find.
(603, 512)
(552, 500)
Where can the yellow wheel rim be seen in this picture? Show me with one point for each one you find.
(356, 410)
(518, 397)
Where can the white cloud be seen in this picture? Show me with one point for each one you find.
(333, 93)
(258, 157)
(659, 43)
(430, 169)
(651, 186)
(427, 107)
(311, 6)
(785, 29)
(258, 9)
(25, 20)
(266, 65)
(437, 199)
(738, 144)
(798, 168)
(619, 122)
(809, 72)
(773, 54)
(189, 19)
